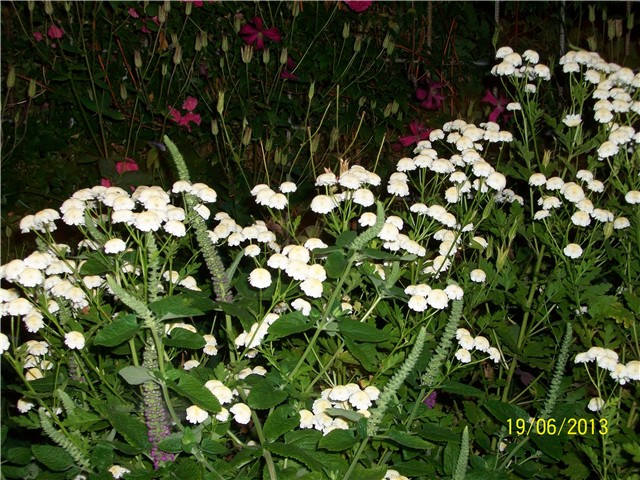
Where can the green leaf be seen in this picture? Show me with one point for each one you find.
(360, 473)
(81, 419)
(462, 389)
(335, 264)
(136, 375)
(132, 429)
(346, 238)
(188, 469)
(54, 458)
(505, 411)
(361, 331)
(348, 414)
(287, 325)
(212, 447)
(187, 304)
(95, 265)
(365, 353)
(436, 433)
(191, 388)
(18, 455)
(282, 420)
(118, 331)
(102, 456)
(172, 443)
(292, 451)
(264, 395)
(408, 440)
(338, 440)
(183, 338)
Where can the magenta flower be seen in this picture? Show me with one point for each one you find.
(500, 105)
(255, 33)
(128, 165)
(38, 36)
(431, 96)
(55, 32)
(286, 71)
(190, 104)
(196, 3)
(358, 5)
(430, 400)
(133, 12)
(418, 133)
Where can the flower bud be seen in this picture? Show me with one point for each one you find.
(312, 90)
(266, 56)
(137, 59)
(592, 42)
(30, 5)
(237, 23)
(198, 46)
(165, 69)
(394, 107)
(608, 229)
(611, 29)
(503, 254)
(390, 44)
(546, 158)
(284, 56)
(48, 7)
(162, 14)
(11, 77)
(295, 9)
(31, 91)
(313, 146)
(167, 5)
(205, 39)
(123, 91)
(357, 46)
(333, 138)
(247, 53)
(177, 55)
(345, 30)
(187, 8)
(374, 104)
(222, 63)
(246, 136)
(604, 14)
(225, 44)
(67, 6)
(592, 13)
(220, 106)
(268, 145)
(387, 110)
(214, 127)
(618, 24)
(630, 23)
(362, 101)
(174, 38)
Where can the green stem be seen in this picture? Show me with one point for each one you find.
(354, 462)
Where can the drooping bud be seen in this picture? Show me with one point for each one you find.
(187, 8)
(220, 106)
(284, 56)
(11, 77)
(266, 56)
(247, 53)
(123, 91)
(214, 127)
(137, 59)
(312, 90)
(48, 7)
(31, 91)
(177, 55)
(357, 46)
(225, 44)
(246, 136)
(345, 30)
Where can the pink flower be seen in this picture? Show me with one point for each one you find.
(133, 13)
(196, 3)
(431, 96)
(128, 165)
(500, 105)
(190, 104)
(418, 133)
(176, 116)
(105, 182)
(38, 36)
(286, 73)
(358, 5)
(190, 117)
(55, 32)
(255, 33)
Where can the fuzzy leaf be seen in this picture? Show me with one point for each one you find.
(505, 411)
(307, 457)
(191, 388)
(187, 304)
(369, 473)
(118, 331)
(282, 420)
(136, 375)
(264, 395)
(338, 440)
(462, 389)
(182, 338)
(54, 458)
(361, 331)
(335, 264)
(287, 325)
(408, 440)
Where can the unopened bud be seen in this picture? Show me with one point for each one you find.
(167, 5)
(357, 46)
(394, 107)
(48, 7)
(237, 23)
(295, 9)
(630, 23)
(284, 56)
(312, 90)
(31, 91)
(165, 69)
(198, 46)
(123, 91)
(268, 145)
(30, 5)
(611, 29)
(174, 38)
(67, 7)
(618, 23)
(266, 56)
(205, 39)
(362, 101)
(137, 59)
(214, 127)
(391, 45)
(187, 8)
(247, 53)
(546, 158)
(592, 43)
(503, 255)
(604, 14)
(592, 13)
(387, 110)
(313, 146)
(345, 30)
(608, 230)
(177, 55)
(246, 136)
(162, 14)
(374, 104)
(225, 44)
(333, 138)
(220, 106)
(11, 77)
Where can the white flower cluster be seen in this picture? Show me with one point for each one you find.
(608, 360)
(344, 397)
(423, 296)
(256, 333)
(521, 66)
(468, 344)
(264, 195)
(353, 183)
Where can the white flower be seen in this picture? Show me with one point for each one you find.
(497, 181)
(30, 277)
(633, 370)
(115, 245)
(241, 413)
(595, 186)
(595, 404)
(326, 179)
(195, 414)
(466, 342)
(482, 169)
(480, 241)
(602, 215)
(541, 214)
(147, 221)
(572, 120)
(181, 186)
(301, 305)
(478, 275)
(537, 180)
(260, 278)
(24, 405)
(324, 204)
(437, 298)
(277, 201)
(175, 228)
(603, 116)
(632, 197)
(203, 211)
(555, 183)
(417, 303)
(542, 71)
(33, 321)
(494, 354)
(313, 243)
(572, 192)
(531, 56)
(297, 252)
(481, 343)
(297, 270)
(211, 347)
(503, 52)
(399, 188)
(621, 223)
(360, 400)
(513, 106)
(581, 219)
(367, 219)
(349, 180)
(189, 364)
(573, 250)
(584, 175)
(312, 287)
(549, 202)
(74, 340)
(288, 187)
(406, 165)
(118, 471)
(4, 343)
(463, 355)
(363, 197)
(607, 149)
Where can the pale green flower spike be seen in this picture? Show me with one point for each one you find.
(395, 383)
(212, 259)
(563, 356)
(153, 267)
(64, 441)
(369, 234)
(442, 350)
(133, 303)
(461, 466)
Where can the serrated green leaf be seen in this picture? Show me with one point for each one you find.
(102, 456)
(132, 429)
(360, 473)
(212, 447)
(120, 330)
(95, 265)
(287, 325)
(18, 455)
(436, 433)
(335, 264)
(348, 414)
(135, 374)
(81, 419)
(338, 440)
(193, 389)
(183, 338)
(172, 443)
(307, 457)
(264, 395)
(365, 353)
(408, 440)
(361, 331)
(282, 420)
(462, 389)
(505, 411)
(346, 238)
(188, 469)
(187, 304)
(54, 458)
